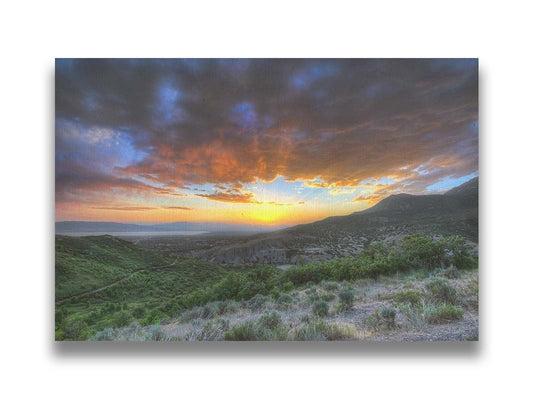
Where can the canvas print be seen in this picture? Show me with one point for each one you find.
(266, 200)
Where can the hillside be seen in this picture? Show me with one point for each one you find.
(98, 278)
(91, 262)
(452, 213)
(420, 289)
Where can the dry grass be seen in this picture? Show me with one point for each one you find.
(419, 315)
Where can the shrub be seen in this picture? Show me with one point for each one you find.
(329, 285)
(229, 307)
(387, 315)
(191, 314)
(211, 310)
(457, 252)
(313, 296)
(420, 251)
(320, 308)
(413, 314)
(442, 313)
(336, 331)
(311, 331)
(346, 298)
(107, 334)
(156, 334)
(412, 297)
(138, 312)
(328, 296)
(256, 302)
(243, 332)
(134, 331)
(270, 319)
(306, 318)
(212, 331)
(319, 330)
(310, 290)
(441, 290)
(59, 335)
(288, 286)
(153, 317)
(75, 328)
(122, 318)
(285, 299)
(451, 272)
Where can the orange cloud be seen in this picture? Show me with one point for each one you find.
(230, 197)
(125, 208)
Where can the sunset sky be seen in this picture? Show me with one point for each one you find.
(275, 141)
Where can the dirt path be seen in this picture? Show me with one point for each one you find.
(92, 291)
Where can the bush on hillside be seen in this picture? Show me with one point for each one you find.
(411, 297)
(270, 319)
(320, 308)
(441, 290)
(346, 298)
(442, 313)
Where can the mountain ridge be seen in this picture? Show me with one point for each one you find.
(454, 212)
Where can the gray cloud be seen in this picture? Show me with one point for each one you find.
(231, 121)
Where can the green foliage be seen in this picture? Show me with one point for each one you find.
(320, 308)
(329, 285)
(412, 297)
(75, 328)
(312, 294)
(311, 331)
(256, 302)
(451, 272)
(318, 330)
(270, 319)
(384, 317)
(441, 290)
(288, 287)
(87, 263)
(153, 295)
(153, 317)
(250, 331)
(387, 314)
(346, 298)
(122, 318)
(328, 296)
(138, 312)
(457, 252)
(243, 332)
(59, 335)
(420, 251)
(441, 313)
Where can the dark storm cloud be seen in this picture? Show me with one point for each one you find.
(231, 121)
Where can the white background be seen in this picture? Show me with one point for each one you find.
(34, 33)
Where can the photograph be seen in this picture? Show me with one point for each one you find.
(266, 199)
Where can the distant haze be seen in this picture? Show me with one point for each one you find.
(87, 228)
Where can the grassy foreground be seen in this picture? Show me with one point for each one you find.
(436, 306)
(420, 286)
